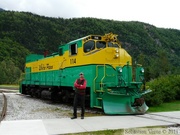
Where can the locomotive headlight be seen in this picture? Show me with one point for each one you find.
(116, 55)
(117, 50)
(142, 70)
(120, 70)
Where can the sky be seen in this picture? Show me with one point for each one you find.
(160, 13)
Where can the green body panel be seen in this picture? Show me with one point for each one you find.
(33, 57)
(50, 78)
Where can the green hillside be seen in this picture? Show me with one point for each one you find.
(157, 49)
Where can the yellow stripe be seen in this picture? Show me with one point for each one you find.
(103, 56)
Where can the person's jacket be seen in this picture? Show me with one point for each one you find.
(80, 85)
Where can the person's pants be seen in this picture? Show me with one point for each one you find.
(79, 98)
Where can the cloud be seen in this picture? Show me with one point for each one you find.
(161, 13)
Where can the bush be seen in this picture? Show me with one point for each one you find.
(9, 73)
(165, 89)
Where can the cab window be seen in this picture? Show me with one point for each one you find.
(110, 44)
(100, 44)
(60, 51)
(89, 46)
(73, 49)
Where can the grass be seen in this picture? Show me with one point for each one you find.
(104, 132)
(7, 86)
(122, 131)
(166, 107)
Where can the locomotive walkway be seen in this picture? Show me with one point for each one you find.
(89, 124)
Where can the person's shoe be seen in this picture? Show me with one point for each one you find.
(82, 117)
(73, 117)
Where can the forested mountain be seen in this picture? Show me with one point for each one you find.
(157, 49)
(1, 9)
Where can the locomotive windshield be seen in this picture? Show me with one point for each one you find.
(110, 44)
(92, 45)
(89, 45)
(100, 44)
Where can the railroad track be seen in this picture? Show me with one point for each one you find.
(175, 121)
(4, 107)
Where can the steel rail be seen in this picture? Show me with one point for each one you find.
(160, 118)
(4, 108)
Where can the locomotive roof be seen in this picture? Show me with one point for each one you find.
(77, 39)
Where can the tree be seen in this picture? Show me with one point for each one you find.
(9, 73)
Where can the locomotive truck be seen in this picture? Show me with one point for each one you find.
(111, 83)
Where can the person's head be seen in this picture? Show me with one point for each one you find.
(81, 75)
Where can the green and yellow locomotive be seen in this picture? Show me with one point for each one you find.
(106, 66)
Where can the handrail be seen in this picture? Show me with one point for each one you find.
(104, 75)
(95, 80)
(97, 76)
(61, 64)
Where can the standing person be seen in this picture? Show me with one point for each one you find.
(80, 91)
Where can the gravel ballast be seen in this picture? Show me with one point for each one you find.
(22, 107)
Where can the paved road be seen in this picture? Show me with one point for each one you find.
(66, 125)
